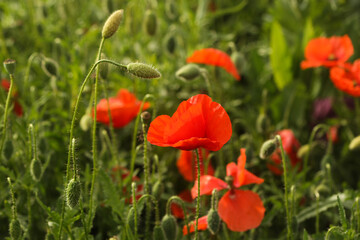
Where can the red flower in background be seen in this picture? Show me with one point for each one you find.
(122, 172)
(176, 209)
(212, 56)
(186, 165)
(124, 108)
(202, 225)
(197, 123)
(291, 145)
(5, 84)
(327, 52)
(240, 210)
(347, 78)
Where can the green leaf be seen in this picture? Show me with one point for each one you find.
(280, 57)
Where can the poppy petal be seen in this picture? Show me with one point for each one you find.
(207, 184)
(346, 81)
(176, 209)
(202, 225)
(241, 210)
(215, 57)
(157, 130)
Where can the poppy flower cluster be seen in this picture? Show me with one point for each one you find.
(291, 146)
(5, 84)
(241, 210)
(333, 53)
(123, 108)
(197, 123)
(215, 57)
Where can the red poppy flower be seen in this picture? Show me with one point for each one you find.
(187, 165)
(328, 52)
(5, 84)
(123, 108)
(333, 134)
(123, 172)
(347, 78)
(202, 225)
(176, 209)
(197, 123)
(291, 145)
(215, 57)
(240, 210)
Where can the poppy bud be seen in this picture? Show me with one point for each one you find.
(169, 225)
(9, 65)
(35, 169)
(103, 68)
(213, 221)
(112, 23)
(15, 229)
(143, 70)
(268, 148)
(146, 117)
(50, 67)
(303, 151)
(85, 122)
(170, 43)
(262, 123)
(170, 9)
(73, 191)
(150, 22)
(159, 233)
(355, 143)
(188, 72)
(157, 189)
(8, 149)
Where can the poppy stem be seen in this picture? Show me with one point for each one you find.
(168, 211)
(146, 181)
(198, 194)
(7, 105)
(133, 191)
(288, 219)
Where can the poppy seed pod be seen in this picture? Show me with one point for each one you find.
(159, 233)
(35, 169)
(188, 72)
(150, 22)
(15, 229)
(268, 148)
(73, 192)
(169, 225)
(143, 70)
(10, 65)
(355, 143)
(213, 221)
(112, 23)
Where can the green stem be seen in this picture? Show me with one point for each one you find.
(317, 221)
(133, 191)
(7, 105)
(288, 219)
(30, 143)
(168, 211)
(73, 157)
(12, 199)
(83, 220)
(146, 181)
(198, 195)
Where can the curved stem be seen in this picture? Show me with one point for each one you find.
(198, 195)
(168, 210)
(288, 219)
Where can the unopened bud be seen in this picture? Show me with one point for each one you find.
(169, 225)
(268, 148)
(213, 221)
(188, 72)
(159, 233)
(157, 189)
(73, 192)
(143, 70)
(150, 22)
(15, 229)
(85, 122)
(112, 23)
(10, 65)
(35, 169)
(50, 67)
(355, 143)
(170, 43)
(146, 117)
(303, 151)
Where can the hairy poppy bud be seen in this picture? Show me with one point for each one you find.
(188, 72)
(159, 233)
(303, 151)
(268, 148)
(50, 67)
(143, 70)
(103, 68)
(169, 225)
(112, 23)
(355, 143)
(15, 229)
(73, 192)
(213, 221)
(10, 65)
(85, 122)
(35, 169)
(150, 22)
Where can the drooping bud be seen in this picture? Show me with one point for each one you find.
(159, 233)
(355, 143)
(268, 148)
(10, 65)
(213, 221)
(188, 72)
(73, 192)
(85, 122)
(103, 67)
(35, 169)
(157, 189)
(50, 67)
(112, 23)
(143, 70)
(146, 117)
(150, 22)
(169, 225)
(303, 151)
(15, 229)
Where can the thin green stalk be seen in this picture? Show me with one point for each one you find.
(288, 219)
(317, 220)
(13, 208)
(133, 191)
(7, 105)
(146, 181)
(94, 146)
(168, 211)
(83, 220)
(198, 195)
